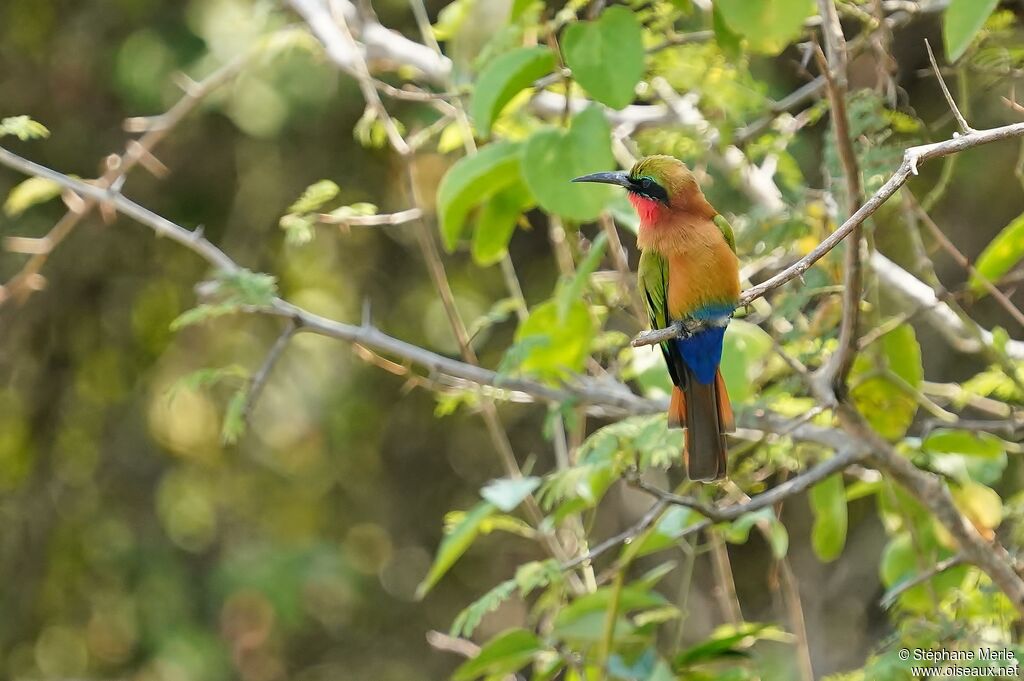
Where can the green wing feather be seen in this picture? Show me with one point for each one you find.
(653, 275)
(726, 229)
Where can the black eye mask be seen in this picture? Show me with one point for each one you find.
(648, 188)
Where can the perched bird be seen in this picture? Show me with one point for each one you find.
(688, 271)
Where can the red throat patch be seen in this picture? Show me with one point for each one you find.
(649, 210)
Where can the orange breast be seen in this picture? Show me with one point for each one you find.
(702, 271)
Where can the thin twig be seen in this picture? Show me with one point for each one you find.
(156, 128)
(259, 379)
(890, 596)
(961, 122)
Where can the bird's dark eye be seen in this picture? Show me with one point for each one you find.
(646, 183)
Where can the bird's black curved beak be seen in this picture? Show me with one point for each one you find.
(619, 178)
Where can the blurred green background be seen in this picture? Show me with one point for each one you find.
(133, 544)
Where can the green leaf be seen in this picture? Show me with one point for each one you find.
(454, 545)
(962, 21)
(502, 78)
(556, 345)
(726, 641)
(245, 287)
(469, 619)
(726, 38)
(901, 562)
(298, 229)
(828, 501)
(886, 403)
(505, 653)
(315, 196)
(206, 377)
(470, 181)
(202, 313)
(768, 25)
(665, 534)
(744, 351)
(584, 618)
(23, 127)
(952, 441)
(1000, 256)
(606, 56)
(30, 192)
(507, 493)
(529, 576)
(552, 158)
(233, 426)
(980, 504)
(497, 222)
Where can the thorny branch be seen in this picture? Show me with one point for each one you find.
(154, 129)
(370, 46)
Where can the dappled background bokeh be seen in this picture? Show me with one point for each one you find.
(133, 543)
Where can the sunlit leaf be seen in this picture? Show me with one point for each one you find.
(1000, 256)
(28, 193)
(23, 127)
(558, 344)
(961, 22)
(954, 441)
(315, 196)
(606, 55)
(768, 25)
(552, 158)
(502, 78)
(454, 545)
(887, 403)
(726, 641)
(507, 493)
(981, 505)
(828, 501)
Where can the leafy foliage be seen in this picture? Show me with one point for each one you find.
(606, 55)
(249, 560)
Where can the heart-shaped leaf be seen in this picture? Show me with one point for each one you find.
(502, 78)
(552, 158)
(606, 56)
(768, 25)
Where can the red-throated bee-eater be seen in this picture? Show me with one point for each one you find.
(688, 271)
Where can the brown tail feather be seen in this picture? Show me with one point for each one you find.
(677, 408)
(726, 419)
(707, 414)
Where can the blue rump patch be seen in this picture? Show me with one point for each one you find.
(702, 352)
